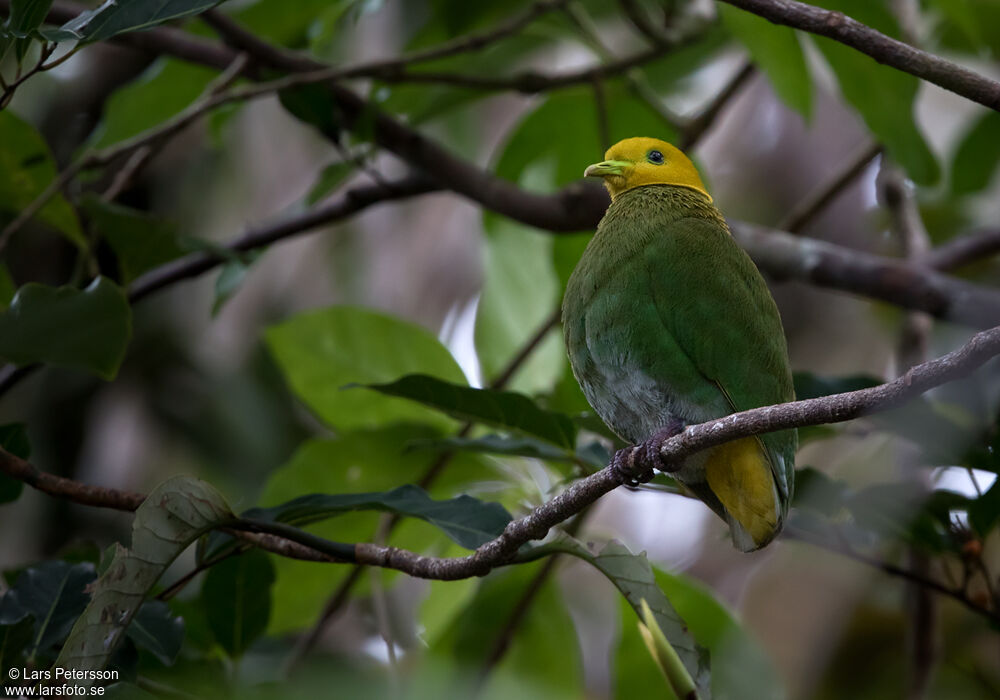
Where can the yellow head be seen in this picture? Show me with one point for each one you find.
(644, 161)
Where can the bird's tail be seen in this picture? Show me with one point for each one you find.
(740, 475)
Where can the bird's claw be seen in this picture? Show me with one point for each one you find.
(632, 467)
(637, 464)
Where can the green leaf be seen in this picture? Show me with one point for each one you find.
(984, 512)
(329, 179)
(6, 287)
(504, 409)
(542, 649)
(280, 22)
(27, 15)
(816, 490)
(321, 351)
(140, 241)
(13, 439)
(468, 521)
(237, 600)
(230, 279)
(163, 90)
(54, 593)
(83, 329)
(740, 669)
(314, 105)
(776, 50)
(677, 677)
(977, 156)
(15, 636)
(113, 18)
(26, 170)
(499, 444)
(519, 293)
(905, 512)
(175, 514)
(157, 630)
(883, 96)
(633, 576)
(965, 26)
(352, 462)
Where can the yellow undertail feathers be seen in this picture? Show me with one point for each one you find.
(739, 474)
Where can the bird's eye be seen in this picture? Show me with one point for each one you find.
(655, 157)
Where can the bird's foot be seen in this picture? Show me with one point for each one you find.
(637, 464)
(628, 462)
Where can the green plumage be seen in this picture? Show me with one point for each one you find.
(665, 317)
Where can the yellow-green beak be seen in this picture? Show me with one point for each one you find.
(607, 168)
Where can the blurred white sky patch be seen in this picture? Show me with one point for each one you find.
(458, 333)
(669, 528)
(960, 480)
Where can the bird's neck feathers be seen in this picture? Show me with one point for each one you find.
(651, 207)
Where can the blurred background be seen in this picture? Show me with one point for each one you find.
(206, 388)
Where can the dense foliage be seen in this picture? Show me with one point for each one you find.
(401, 380)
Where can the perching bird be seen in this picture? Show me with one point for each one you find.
(669, 323)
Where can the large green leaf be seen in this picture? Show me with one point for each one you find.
(542, 649)
(354, 462)
(966, 26)
(322, 351)
(281, 22)
(54, 593)
(776, 50)
(84, 329)
(519, 293)
(237, 600)
(140, 241)
(164, 89)
(504, 409)
(740, 669)
(466, 520)
(113, 18)
(26, 170)
(977, 156)
(175, 514)
(633, 576)
(882, 95)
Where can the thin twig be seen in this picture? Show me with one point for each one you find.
(913, 347)
(698, 125)
(634, 78)
(962, 250)
(846, 550)
(823, 195)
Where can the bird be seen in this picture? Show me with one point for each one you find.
(668, 323)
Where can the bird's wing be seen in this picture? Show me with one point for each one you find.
(714, 302)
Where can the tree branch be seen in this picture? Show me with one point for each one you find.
(884, 49)
(503, 550)
(580, 206)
